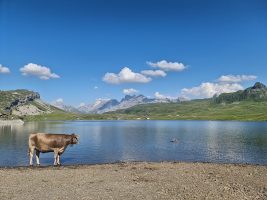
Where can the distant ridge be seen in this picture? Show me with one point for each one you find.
(258, 92)
(244, 105)
(108, 105)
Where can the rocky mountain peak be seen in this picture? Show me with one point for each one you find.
(127, 97)
(259, 85)
(258, 92)
(21, 102)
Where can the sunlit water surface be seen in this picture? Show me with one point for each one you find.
(117, 141)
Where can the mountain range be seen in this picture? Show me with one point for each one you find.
(245, 105)
(248, 104)
(100, 106)
(106, 105)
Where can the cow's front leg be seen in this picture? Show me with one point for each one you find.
(37, 152)
(55, 158)
(60, 152)
(58, 159)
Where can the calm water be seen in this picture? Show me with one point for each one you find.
(113, 141)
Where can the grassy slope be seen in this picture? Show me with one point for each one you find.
(200, 110)
(191, 110)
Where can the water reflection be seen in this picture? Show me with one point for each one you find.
(112, 141)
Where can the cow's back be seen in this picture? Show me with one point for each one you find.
(46, 142)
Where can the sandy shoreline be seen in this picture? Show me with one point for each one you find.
(138, 180)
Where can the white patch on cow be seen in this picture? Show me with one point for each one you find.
(31, 157)
(58, 160)
(55, 156)
(37, 158)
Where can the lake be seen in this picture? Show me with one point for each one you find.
(119, 141)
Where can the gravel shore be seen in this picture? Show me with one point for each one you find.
(140, 180)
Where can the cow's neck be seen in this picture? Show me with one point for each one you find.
(69, 140)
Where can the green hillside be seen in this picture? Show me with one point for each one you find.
(248, 105)
(258, 92)
(199, 110)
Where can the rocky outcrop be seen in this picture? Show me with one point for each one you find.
(22, 100)
(24, 110)
(258, 92)
(21, 103)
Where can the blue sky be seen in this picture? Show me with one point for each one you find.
(202, 47)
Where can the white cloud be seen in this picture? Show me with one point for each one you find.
(42, 72)
(130, 91)
(224, 84)
(126, 75)
(162, 96)
(159, 96)
(95, 87)
(4, 70)
(59, 100)
(236, 78)
(82, 104)
(168, 66)
(154, 73)
(58, 103)
(207, 90)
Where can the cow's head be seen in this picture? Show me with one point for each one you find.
(74, 138)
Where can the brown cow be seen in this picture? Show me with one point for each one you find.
(43, 142)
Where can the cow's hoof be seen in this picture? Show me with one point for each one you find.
(38, 165)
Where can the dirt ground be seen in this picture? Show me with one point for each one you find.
(135, 181)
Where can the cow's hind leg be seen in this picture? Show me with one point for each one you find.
(31, 152)
(37, 152)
